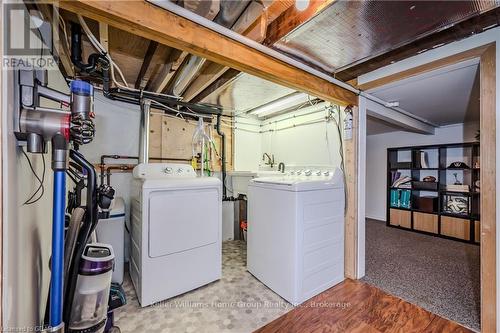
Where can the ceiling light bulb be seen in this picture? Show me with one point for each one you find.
(301, 5)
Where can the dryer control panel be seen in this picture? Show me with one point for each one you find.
(162, 170)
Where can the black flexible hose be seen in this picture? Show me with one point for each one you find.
(89, 223)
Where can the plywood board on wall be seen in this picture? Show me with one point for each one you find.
(171, 138)
(176, 138)
(155, 135)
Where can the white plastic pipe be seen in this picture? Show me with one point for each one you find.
(183, 12)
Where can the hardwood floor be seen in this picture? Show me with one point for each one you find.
(354, 306)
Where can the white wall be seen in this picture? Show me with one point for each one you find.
(315, 144)
(303, 141)
(26, 228)
(376, 159)
(247, 143)
(117, 132)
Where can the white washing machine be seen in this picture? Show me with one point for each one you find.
(296, 232)
(175, 231)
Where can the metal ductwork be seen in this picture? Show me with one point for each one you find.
(187, 74)
(228, 14)
(144, 131)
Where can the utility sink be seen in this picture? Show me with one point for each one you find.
(240, 179)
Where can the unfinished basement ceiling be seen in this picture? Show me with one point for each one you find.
(246, 92)
(445, 96)
(376, 126)
(159, 68)
(349, 32)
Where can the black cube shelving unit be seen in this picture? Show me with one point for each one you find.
(434, 208)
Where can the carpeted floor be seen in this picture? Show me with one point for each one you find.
(437, 274)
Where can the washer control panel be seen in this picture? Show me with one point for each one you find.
(162, 170)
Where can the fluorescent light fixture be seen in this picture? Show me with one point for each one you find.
(301, 5)
(280, 104)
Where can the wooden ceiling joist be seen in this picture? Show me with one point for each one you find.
(206, 9)
(248, 25)
(61, 48)
(291, 19)
(251, 26)
(146, 63)
(104, 35)
(208, 75)
(174, 62)
(219, 84)
(154, 23)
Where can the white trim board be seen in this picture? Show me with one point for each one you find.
(361, 262)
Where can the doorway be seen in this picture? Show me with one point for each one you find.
(485, 55)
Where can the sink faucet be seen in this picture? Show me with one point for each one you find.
(270, 161)
(281, 167)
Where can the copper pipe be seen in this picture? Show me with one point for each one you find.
(103, 166)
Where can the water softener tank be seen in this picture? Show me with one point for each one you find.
(112, 231)
(90, 303)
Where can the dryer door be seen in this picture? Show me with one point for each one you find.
(180, 220)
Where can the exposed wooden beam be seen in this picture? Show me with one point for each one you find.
(208, 75)
(149, 21)
(291, 19)
(252, 26)
(219, 84)
(104, 35)
(258, 30)
(175, 61)
(146, 62)
(156, 68)
(488, 208)
(61, 50)
(440, 63)
(206, 9)
(351, 214)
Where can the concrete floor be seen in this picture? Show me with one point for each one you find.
(439, 275)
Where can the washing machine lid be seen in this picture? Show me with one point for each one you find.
(307, 181)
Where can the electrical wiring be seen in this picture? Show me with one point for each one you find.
(240, 122)
(341, 139)
(41, 187)
(113, 66)
(327, 138)
(341, 151)
(293, 117)
(310, 102)
(63, 28)
(182, 112)
(310, 122)
(246, 130)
